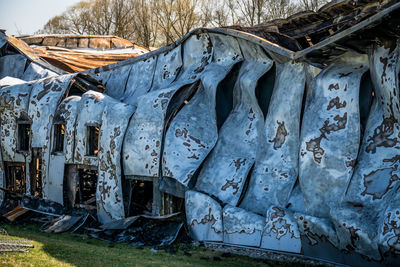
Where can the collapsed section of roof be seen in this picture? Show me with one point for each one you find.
(74, 53)
(33, 57)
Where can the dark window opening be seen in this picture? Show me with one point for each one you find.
(141, 198)
(59, 133)
(86, 187)
(92, 140)
(15, 177)
(36, 175)
(173, 204)
(24, 132)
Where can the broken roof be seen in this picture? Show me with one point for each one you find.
(74, 53)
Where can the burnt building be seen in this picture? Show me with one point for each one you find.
(284, 136)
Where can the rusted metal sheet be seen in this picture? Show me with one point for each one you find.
(193, 132)
(73, 53)
(203, 216)
(242, 227)
(281, 231)
(82, 41)
(109, 197)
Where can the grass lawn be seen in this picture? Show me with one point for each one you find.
(80, 250)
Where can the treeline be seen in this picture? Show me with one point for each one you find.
(154, 23)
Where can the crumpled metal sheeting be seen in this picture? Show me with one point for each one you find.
(330, 135)
(356, 231)
(281, 231)
(275, 170)
(34, 71)
(14, 103)
(226, 169)
(147, 121)
(242, 227)
(116, 83)
(315, 230)
(46, 95)
(167, 68)
(9, 81)
(389, 227)
(193, 132)
(375, 178)
(203, 216)
(90, 113)
(140, 80)
(12, 65)
(109, 197)
(146, 129)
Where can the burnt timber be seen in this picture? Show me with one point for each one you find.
(284, 136)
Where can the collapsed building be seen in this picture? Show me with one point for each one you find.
(284, 136)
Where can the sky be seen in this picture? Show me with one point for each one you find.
(20, 17)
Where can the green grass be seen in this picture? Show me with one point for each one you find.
(69, 249)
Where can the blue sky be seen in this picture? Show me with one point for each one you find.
(27, 16)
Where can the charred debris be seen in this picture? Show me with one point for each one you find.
(281, 137)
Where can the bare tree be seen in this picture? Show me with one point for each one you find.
(312, 5)
(160, 22)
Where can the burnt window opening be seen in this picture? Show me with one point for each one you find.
(15, 177)
(59, 134)
(24, 133)
(36, 176)
(86, 187)
(172, 204)
(92, 147)
(141, 198)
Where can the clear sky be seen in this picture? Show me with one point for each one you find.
(27, 16)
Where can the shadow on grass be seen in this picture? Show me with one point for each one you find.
(81, 250)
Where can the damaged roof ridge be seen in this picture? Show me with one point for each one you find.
(165, 49)
(342, 34)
